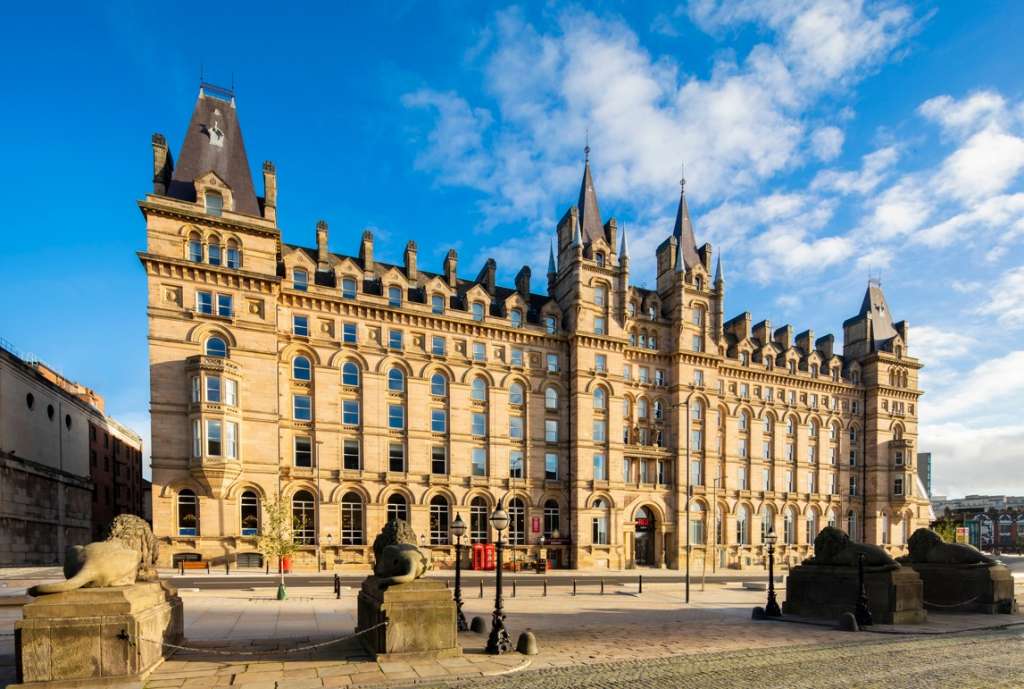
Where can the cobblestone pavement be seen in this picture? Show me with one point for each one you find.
(982, 660)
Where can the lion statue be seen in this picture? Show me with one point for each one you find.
(833, 547)
(926, 546)
(128, 555)
(397, 557)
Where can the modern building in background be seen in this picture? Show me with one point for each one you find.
(924, 471)
(991, 520)
(53, 492)
(359, 391)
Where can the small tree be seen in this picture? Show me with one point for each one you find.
(277, 538)
(946, 528)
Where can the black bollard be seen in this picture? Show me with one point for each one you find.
(641, 588)
(481, 588)
(337, 586)
(574, 586)
(545, 587)
(862, 612)
(513, 588)
(602, 587)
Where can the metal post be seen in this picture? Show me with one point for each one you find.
(862, 612)
(227, 567)
(460, 617)
(545, 587)
(499, 641)
(772, 608)
(513, 587)
(641, 590)
(574, 586)
(686, 520)
(337, 586)
(602, 587)
(481, 588)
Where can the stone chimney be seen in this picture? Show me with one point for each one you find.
(784, 337)
(763, 332)
(523, 282)
(269, 191)
(805, 341)
(321, 243)
(163, 165)
(366, 251)
(826, 345)
(410, 260)
(487, 276)
(450, 265)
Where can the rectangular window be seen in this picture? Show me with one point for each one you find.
(897, 487)
(437, 345)
(853, 485)
(810, 483)
(348, 333)
(832, 452)
(812, 455)
(744, 391)
(195, 392)
(195, 251)
(899, 458)
(599, 325)
(438, 459)
(698, 377)
(696, 440)
(790, 452)
(551, 430)
(645, 471)
(300, 280)
(515, 465)
(515, 428)
(234, 257)
(224, 305)
(351, 455)
(479, 351)
(600, 431)
(213, 438)
(302, 409)
(394, 296)
(204, 303)
(437, 304)
(645, 375)
(438, 421)
(659, 377)
(396, 457)
(197, 438)
(766, 450)
(300, 325)
(832, 484)
(627, 470)
(741, 477)
(662, 472)
(395, 339)
(853, 457)
(230, 392)
(766, 479)
(698, 343)
(552, 360)
(600, 468)
(396, 417)
(550, 466)
(213, 389)
(601, 363)
(303, 451)
(790, 483)
(517, 356)
(348, 288)
(696, 478)
(479, 424)
(627, 372)
(231, 440)
(743, 447)
(600, 296)
(350, 412)
(479, 458)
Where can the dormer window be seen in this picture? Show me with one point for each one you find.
(437, 303)
(599, 259)
(394, 296)
(631, 309)
(745, 358)
(300, 279)
(652, 312)
(478, 311)
(698, 282)
(214, 203)
(549, 325)
(517, 318)
(792, 368)
(348, 288)
(600, 296)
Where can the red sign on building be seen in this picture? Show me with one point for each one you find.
(535, 524)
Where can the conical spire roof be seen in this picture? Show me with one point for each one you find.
(552, 268)
(213, 143)
(590, 214)
(683, 230)
(719, 275)
(875, 308)
(623, 245)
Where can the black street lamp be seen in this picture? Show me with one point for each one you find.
(772, 608)
(499, 641)
(459, 530)
(862, 612)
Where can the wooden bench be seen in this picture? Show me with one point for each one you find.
(194, 564)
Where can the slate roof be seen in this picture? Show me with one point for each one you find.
(590, 214)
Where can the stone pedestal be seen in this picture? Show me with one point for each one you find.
(420, 616)
(979, 587)
(96, 637)
(895, 595)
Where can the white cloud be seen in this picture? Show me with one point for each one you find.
(999, 212)
(783, 253)
(827, 142)
(981, 108)
(875, 166)
(900, 209)
(1006, 301)
(999, 381)
(975, 458)
(938, 346)
(985, 164)
(966, 286)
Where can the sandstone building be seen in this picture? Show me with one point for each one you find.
(358, 390)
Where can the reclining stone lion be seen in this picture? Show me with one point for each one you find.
(397, 558)
(926, 546)
(128, 555)
(833, 547)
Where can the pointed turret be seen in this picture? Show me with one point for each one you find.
(552, 268)
(623, 246)
(875, 308)
(576, 241)
(872, 328)
(213, 143)
(590, 215)
(719, 275)
(679, 265)
(683, 230)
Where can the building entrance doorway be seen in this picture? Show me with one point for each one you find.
(643, 542)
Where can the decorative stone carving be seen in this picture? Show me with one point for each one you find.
(927, 546)
(834, 548)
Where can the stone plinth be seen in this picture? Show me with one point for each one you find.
(96, 637)
(895, 595)
(420, 617)
(982, 587)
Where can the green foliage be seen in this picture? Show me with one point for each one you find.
(277, 537)
(946, 528)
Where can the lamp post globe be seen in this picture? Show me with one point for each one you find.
(499, 640)
(771, 609)
(458, 531)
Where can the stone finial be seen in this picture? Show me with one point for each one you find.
(163, 164)
(451, 263)
(366, 251)
(410, 260)
(269, 191)
(321, 242)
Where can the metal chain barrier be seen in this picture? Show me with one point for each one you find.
(214, 651)
(953, 605)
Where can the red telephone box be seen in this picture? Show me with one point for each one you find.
(483, 556)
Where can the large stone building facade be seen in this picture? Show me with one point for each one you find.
(358, 390)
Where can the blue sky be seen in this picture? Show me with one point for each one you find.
(823, 141)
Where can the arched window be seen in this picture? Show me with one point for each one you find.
(833, 518)
(398, 508)
(600, 296)
(600, 399)
(439, 519)
(767, 521)
(790, 426)
(394, 296)
(249, 516)
(789, 526)
(652, 341)
(438, 385)
(906, 529)
(188, 513)
(217, 347)
(516, 522)
(350, 374)
(478, 516)
(304, 518)
(812, 524)
(643, 340)
(351, 519)
(478, 311)
(744, 422)
(652, 311)
(234, 254)
(631, 309)
(641, 408)
(743, 525)
(517, 318)
(897, 433)
(697, 517)
(698, 282)
(632, 338)
(396, 380)
(550, 398)
(479, 390)
(833, 432)
(659, 410)
(214, 203)
(195, 248)
(599, 525)
(767, 424)
(552, 518)
(697, 410)
(885, 528)
(599, 259)
(812, 430)
(851, 525)
(515, 394)
(301, 369)
(627, 408)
